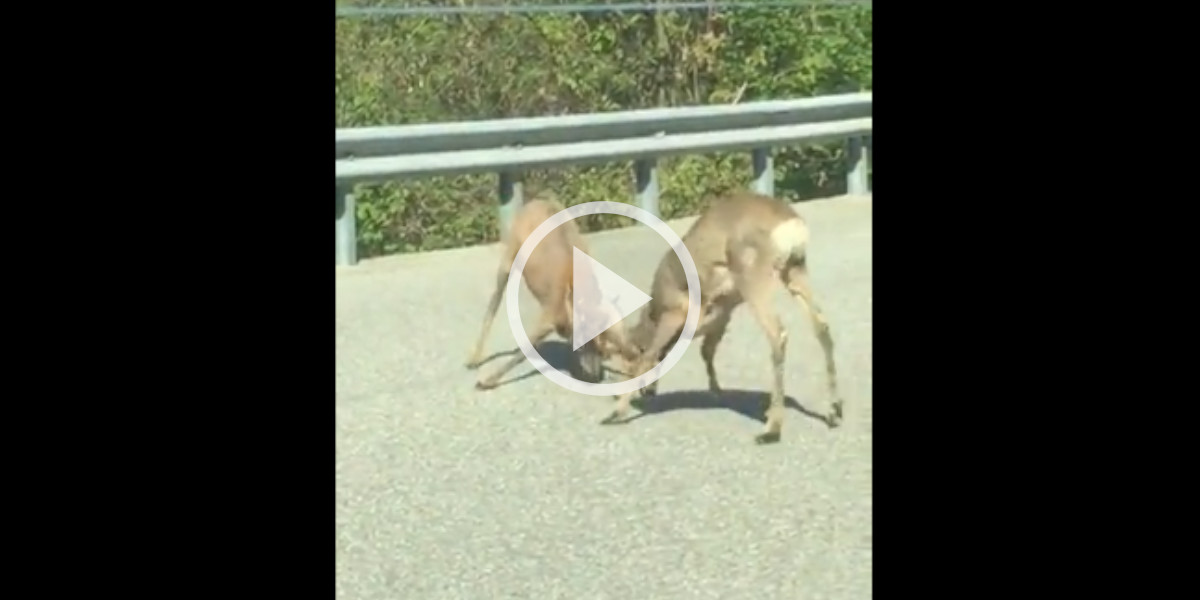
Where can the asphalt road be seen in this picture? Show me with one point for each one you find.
(448, 492)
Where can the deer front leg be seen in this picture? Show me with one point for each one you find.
(667, 329)
(489, 316)
(713, 332)
(544, 328)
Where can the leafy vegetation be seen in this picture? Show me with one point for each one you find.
(465, 67)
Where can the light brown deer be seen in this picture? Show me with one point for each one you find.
(742, 244)
(549, 275)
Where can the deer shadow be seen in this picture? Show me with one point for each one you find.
(751, 404)
(555, 352)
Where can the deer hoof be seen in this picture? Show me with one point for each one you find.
(767, 438)
(485, 385)
(835, 416)
(615, 418)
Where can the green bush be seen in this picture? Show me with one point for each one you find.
(445, 68)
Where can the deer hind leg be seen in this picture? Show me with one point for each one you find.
(668, 328)
(798, 285)
(546, 325)
(489, 316)
(757, 292)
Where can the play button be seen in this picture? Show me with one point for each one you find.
(601, 299)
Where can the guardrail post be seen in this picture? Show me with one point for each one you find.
(870, 159)
(511, 200)
(856, 174)
(345, 231)
(645, 173)
(764, 171)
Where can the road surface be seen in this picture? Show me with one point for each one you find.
(447, 492)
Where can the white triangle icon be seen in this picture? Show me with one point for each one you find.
(600, 299)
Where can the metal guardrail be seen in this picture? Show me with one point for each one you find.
(642, 136)
(360, 142)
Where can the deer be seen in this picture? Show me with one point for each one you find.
(742, 244)
(549, 276)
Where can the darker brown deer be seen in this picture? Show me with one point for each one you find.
(742, 245)
(549, 275)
